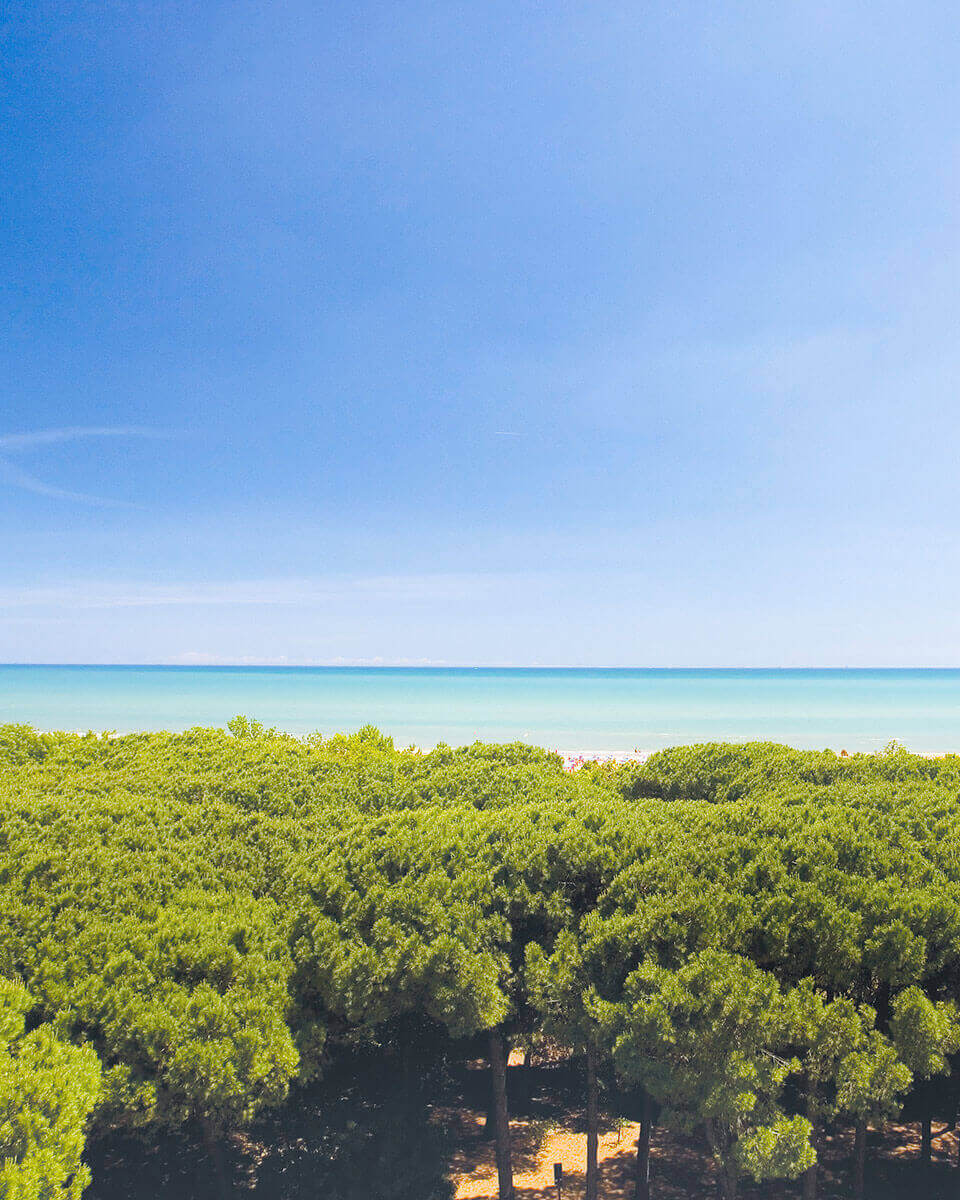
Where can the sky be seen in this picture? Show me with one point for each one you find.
(518, 333)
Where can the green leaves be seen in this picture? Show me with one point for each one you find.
(47, 1091)
(703, 1040)
(923, 1032)
(780, 1149)
(201, 912)
(870, 1081)
(139, 930)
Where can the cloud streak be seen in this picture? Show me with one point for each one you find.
(266, 592)
(10, 442)
(14, 443)
(17, 477)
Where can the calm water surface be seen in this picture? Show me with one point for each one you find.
(576, 709)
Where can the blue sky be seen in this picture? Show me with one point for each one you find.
(606, 334)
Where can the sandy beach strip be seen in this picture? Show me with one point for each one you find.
(574, 759)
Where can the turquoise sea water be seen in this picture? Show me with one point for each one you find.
(577, 709)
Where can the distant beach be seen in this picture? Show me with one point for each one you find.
(582, 713)
(573, 760)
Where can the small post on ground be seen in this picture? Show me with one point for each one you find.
(558, 1179)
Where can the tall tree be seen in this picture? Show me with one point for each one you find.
(47, 1091)
(703, 1039)
(924, 1034)
(560, 991)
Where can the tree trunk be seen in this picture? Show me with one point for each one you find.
(641, 1186)
(501, 1117)
(810, 1174)
(859, 1159)
(727, 1179)
(593, 1124)
(926, 1140)
(810, 1182)
(408, 1069)
(526, 1084)
(215, 1151)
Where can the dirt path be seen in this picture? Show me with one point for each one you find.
(681, 1170)
(536, 1149)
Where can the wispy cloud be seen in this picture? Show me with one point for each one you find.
(14, 443)
(266, 592)
(71, 433)
(17, 477)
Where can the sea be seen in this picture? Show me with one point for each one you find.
(580, 711)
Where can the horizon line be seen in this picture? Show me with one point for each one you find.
(401, 666)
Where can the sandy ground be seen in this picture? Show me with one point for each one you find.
(536, 1149)
(679, 1169)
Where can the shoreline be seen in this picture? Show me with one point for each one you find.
(574, 759)
(571, 758)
